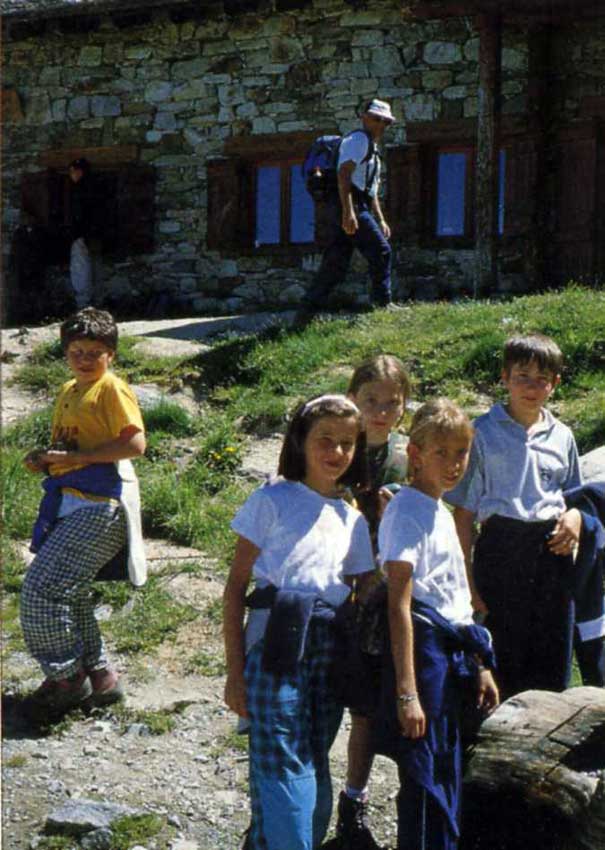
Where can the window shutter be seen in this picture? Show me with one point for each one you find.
(404, 192)
(136, 210)
(230, 186)
(36, 190)
(520, 189)
(572, 252)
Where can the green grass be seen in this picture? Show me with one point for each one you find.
(57, 842)
(159, 721)
(206, 664)
(154, 617)
(169, 418)
(135, 829)
(449, 349)
(21, 494)
(15, 761)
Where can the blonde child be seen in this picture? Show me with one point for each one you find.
(300, 542)
(380, 387)
(434, 643)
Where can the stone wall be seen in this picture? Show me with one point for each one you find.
(179, 87)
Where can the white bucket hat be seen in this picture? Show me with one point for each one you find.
(380, 109)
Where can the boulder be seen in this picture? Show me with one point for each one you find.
(592, 466)
(77, 817)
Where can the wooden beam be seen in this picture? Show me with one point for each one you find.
(539, 115)
(98, 157)
(276, 145)
(488, 147)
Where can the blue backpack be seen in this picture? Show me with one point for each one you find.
(319, 170)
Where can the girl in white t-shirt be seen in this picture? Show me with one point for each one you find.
(301, 543)
(434, 644)
(380, 387)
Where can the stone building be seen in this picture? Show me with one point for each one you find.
(197, 115)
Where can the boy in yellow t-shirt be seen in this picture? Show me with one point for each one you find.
(82, 523)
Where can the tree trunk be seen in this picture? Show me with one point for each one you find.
(536, 776)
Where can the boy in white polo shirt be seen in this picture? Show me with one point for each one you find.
(522, 460)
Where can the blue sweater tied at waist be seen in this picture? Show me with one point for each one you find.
(447, 656)
(285, 636)
(97, 479)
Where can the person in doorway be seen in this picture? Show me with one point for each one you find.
(80, 263)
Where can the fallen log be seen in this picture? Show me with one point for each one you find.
(536, 776)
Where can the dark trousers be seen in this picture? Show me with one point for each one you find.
(527, 591)
(590, 656)
(369, 241)
(421, 823)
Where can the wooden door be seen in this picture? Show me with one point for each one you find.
(573, 252)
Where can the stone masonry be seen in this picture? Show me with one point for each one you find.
(178, 85)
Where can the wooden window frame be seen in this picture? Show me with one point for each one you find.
(284, 245)
(132, 228)
(466, 239)
(231, 227)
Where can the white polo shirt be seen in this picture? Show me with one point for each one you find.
(515, 474)
(353, 148)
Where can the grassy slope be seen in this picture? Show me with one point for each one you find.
(449, 349)
(251, 382)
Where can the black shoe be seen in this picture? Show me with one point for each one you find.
(352, 828)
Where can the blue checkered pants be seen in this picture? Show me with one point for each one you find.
(293, 722)
(57, 607)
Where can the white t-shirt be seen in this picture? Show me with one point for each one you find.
(308, 542)
(353, 148)
(420, 531)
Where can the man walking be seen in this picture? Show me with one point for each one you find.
(80, 263)
(357, 220)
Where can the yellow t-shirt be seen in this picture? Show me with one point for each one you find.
(87, 417)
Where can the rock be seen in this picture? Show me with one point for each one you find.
(141, 729)
(98, 839)
(148, 395)
(592, 466)
(184, 844)
(77, 817)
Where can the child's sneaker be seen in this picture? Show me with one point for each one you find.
(352, 828)
(106, 687)
(55, 697)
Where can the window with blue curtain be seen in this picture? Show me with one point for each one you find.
(451, 193)
(268, 205)
(297, 221)
(302, 208)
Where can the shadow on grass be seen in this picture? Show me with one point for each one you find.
(226, 363)
(20, 723)
(253, 323)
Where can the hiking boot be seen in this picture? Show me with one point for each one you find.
(352, 827)
(55, 697)
(106, 687)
